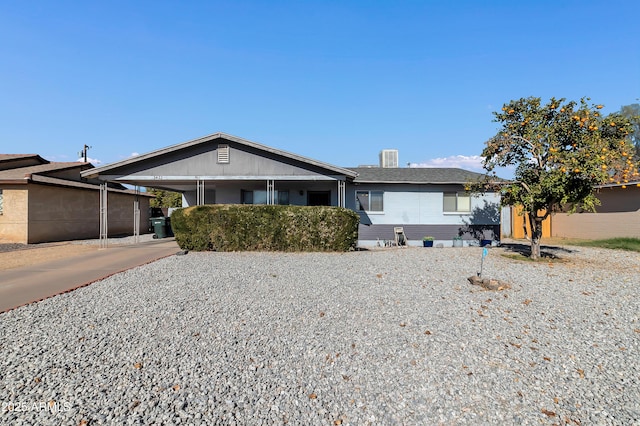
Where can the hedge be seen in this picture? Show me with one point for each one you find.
(235, 227)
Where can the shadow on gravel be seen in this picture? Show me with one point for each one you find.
(549, 252)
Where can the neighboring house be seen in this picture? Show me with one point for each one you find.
(42, 201)
(225, 169)
(617, 216)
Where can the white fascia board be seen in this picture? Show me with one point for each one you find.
(613, 185)
(401, 182)
(146, 178)
(98, 170)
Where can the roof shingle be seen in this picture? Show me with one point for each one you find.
(414, 175)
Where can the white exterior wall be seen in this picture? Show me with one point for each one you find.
(420, 210)
(417, 208)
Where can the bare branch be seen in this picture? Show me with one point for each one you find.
(534, 149)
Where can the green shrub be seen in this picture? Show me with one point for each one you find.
(233, 227)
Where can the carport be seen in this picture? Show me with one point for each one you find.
(225, 169)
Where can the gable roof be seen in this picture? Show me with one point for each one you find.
(45, 173)
(414, 175)
(206, 139)
(12, 161)
(24, 172)
(10, 157)
(85, 185)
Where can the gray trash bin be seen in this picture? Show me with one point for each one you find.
(159, 225)
(168, 230)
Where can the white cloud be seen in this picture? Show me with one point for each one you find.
(468, 162)
(90, 160)
(134, 154)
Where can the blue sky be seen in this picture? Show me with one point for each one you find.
(336, 81)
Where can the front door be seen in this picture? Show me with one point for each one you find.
(318, 198)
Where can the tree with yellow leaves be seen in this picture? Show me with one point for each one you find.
(562, 151)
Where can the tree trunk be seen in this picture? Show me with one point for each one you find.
(535, 222)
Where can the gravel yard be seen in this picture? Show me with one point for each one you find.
(389, 336)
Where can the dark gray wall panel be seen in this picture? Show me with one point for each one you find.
(439, 232)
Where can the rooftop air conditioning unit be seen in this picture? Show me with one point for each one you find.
(389, 158)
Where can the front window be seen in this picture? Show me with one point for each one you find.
(260, 197)
(370, 201)
(457, 202)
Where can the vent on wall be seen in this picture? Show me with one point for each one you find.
(223, 154)
(389, 158)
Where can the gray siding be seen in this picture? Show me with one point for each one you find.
(202, 160)
(417, 232)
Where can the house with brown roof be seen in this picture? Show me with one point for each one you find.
(42, 201)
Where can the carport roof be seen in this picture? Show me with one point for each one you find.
(223, 136)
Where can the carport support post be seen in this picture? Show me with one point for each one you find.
(341, 193)
(200, 194)
(104, 222)
(271, 191)
(136, 216)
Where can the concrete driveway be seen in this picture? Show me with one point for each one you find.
(28, 284)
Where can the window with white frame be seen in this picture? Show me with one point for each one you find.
(370, 201)
(260, 197)
(457, 202)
